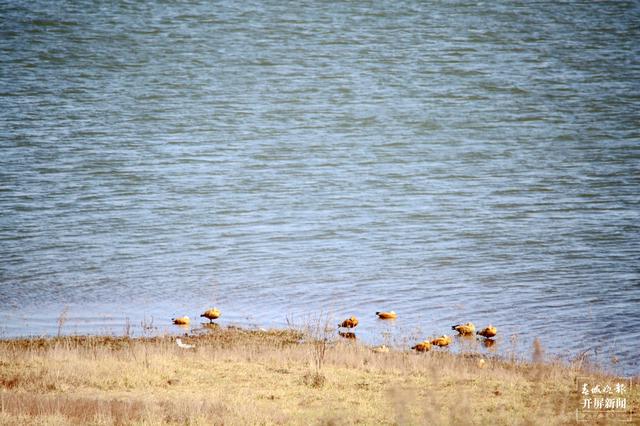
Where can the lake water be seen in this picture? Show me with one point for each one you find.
(451, 161)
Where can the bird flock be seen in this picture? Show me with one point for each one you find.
(466, 329)
(210, 314)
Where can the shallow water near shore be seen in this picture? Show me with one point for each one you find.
(452, 161)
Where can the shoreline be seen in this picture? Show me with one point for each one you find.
(278, 376)
(500, 347)
(613, 355)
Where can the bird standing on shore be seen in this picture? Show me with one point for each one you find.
(183, 345)
(464, 329)
(349, 323)
(488, 332)
(211, 314)
(387, 315)
(181, 320)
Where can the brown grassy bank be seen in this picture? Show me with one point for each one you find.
(235, 376)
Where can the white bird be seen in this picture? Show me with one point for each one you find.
(183, 345)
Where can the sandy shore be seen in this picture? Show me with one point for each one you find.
(235, 376)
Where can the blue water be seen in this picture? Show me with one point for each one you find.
(452, 161)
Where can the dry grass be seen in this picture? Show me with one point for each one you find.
(235, 376)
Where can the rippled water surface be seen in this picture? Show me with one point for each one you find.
(452, 161)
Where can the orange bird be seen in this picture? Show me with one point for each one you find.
(387, 315)
(349, 323)
(488, 332)
(465, 329)
(423, 346)
(181, 320)
(441, 341)
(211, 314)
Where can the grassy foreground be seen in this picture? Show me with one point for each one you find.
(236, 376)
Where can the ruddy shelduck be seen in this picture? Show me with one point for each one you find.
(488, 332)
(349, 323)
(181, 320)
(464, 329)
(441, 341)
(422, 346)
(211, 314)
(387, 315)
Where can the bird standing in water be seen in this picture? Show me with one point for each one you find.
(211, 314)
(349, 323)
(488, 332)
(465, 329)
(181, 320)
(422, 346)
(441, 341)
